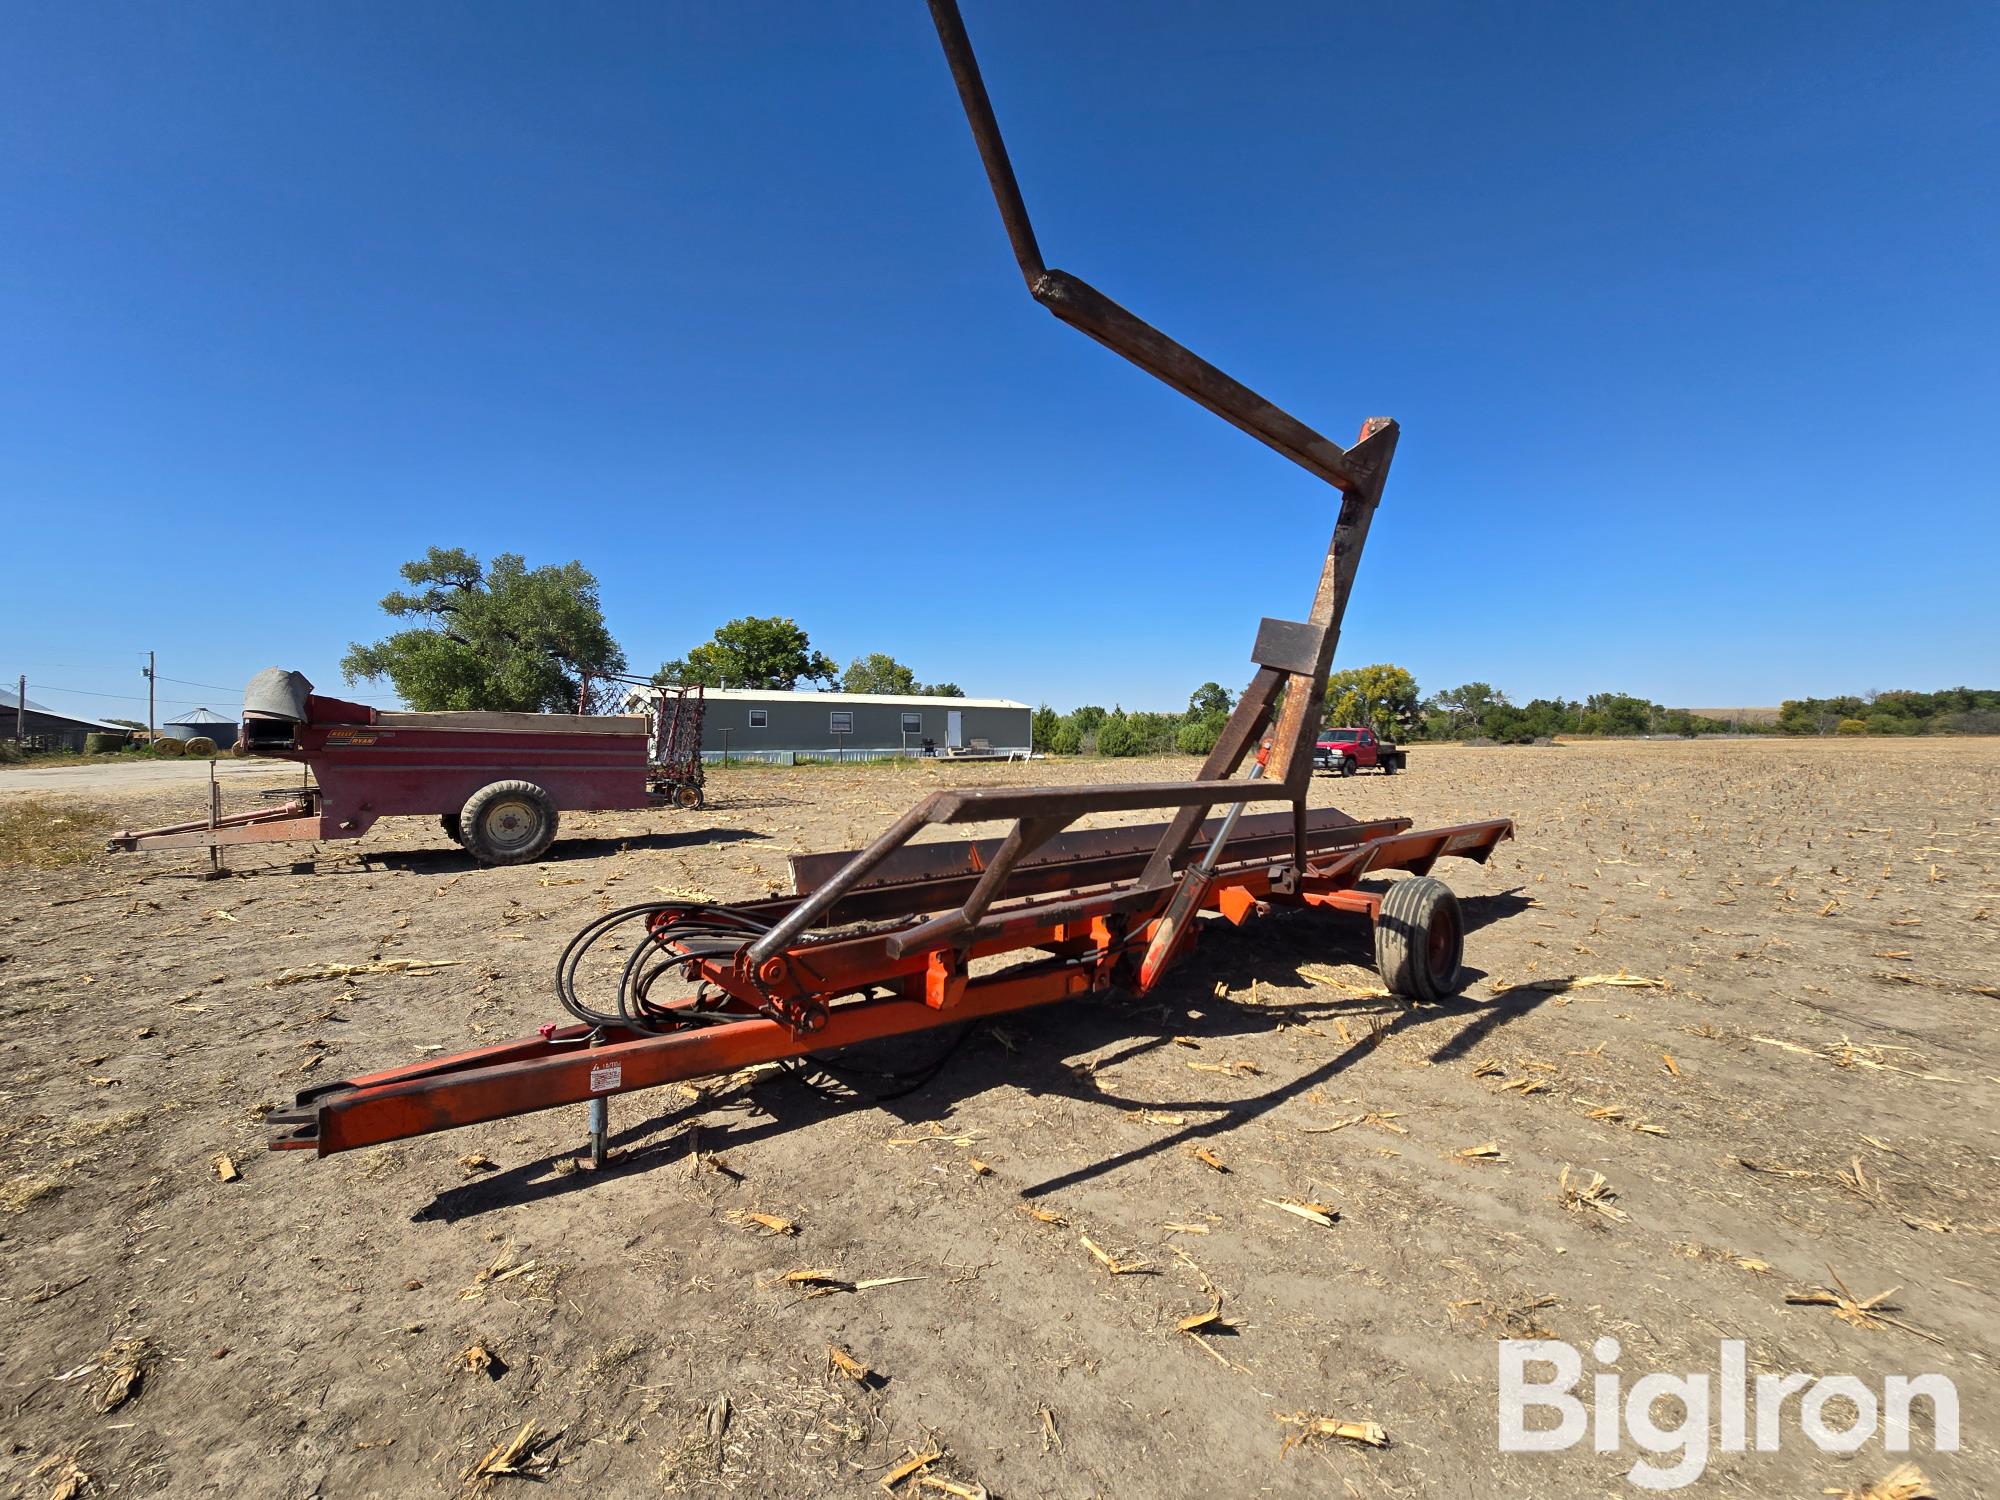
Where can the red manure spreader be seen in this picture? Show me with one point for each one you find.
(497, 782)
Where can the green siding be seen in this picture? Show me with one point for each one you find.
(791, 725)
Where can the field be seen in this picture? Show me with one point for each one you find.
(1806, 1100)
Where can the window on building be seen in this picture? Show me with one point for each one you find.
(760, 718)
(840, 721)
(913, 723)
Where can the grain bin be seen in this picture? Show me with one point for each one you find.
(200, 721)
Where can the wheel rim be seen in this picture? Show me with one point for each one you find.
(513, 824)
(1441, 944)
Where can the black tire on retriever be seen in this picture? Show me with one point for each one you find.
(1420, 939)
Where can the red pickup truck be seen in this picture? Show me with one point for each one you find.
(1349, 750)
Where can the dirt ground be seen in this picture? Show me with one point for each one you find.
(1810, 1096)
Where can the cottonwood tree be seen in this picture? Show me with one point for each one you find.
(879, 672)
(757, 651)
(500, 635)
(1380, 697)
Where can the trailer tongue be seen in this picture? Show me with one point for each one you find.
(903, 936)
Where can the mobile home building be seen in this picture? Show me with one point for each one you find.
(750, 724)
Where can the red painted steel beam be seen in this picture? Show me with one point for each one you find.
(1002, 928)
(1090, 312)
(538, 1075)
(981, 804)
(1256, 835)
(273, 825)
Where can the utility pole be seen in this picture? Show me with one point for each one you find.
(151, 733)
(21, 710)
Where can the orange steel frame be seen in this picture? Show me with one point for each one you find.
(1091, 938)
(805, 980)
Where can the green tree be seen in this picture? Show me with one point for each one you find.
(757, 651)
(1968, 721)
(1197, 737)
(497, 636)
(1155, 733)
(1616, 713)
(1067, 740)
(1819, 715)
(1545, 718)
(1087, 719)
(1680, 721)
(1382, 698)
(1043, 726)
(1210, 701)
(877, 673)
(1117, 736)
(1507, 724)
(1459, 712)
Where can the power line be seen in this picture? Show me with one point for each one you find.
(70, 666)
(49, 687)
(157, 677)
(77, 666)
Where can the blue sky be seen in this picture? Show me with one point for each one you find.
(1689, 314)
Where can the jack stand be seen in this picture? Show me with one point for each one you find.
(601, 1155)
(216, 869)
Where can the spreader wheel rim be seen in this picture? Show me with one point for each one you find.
(508, 823)
(512, 824)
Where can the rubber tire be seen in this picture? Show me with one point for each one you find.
(452, 827)
(1420, 940)
(507, 823)
(686, 798)
(1348, 766)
